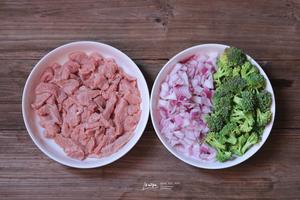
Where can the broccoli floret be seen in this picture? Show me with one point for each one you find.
(247, 125)
(221, 97)
(221, 73)
(234, 84)
(228, 133)
(245, 120)
(255, 82)
(213, 140)
(259, 130)
(232, 56)
(220, 93)
(263, 118)
(229, 129)
(214, 122)
(237, 148)
(222, 156)
(248, 69)
(251, 140)
(223, 106)
(264, 100)
(245, 100)
(236, 71)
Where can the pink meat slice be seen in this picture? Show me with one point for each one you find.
(87, 67)
(120, 116)
(65, 72)
(47, 75)
(51, 130)
(100, 122)
(85, 115)
(68, 86)
(57, 69)
(101, 141)
(132, 109)
(70, 147)
(40, 99)
(73, 115)
(68, 103)
(110, 90)
(66, 130)
(50, 110)
(109, 68)
(96, 80)
(47, 88)
(72, 66)
(132, 98)
(62, 96)
(90, 145)
(84, 95)
(98, 58)
(117, 144)
(78, 56)
(126, 86)
(110, 105)
(100, 101)
(131, 122)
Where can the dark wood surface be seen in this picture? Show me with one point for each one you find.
(151, 32)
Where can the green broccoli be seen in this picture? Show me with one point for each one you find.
(245, 100)
(222, 156)
(237, 148)
(223, 106)
(241, 109)
(234, 84)
(236, 71)
(263, 118)
(220, 93)
(221, 73)
(228, 133)
(251, 140)
(255, 82)
(214, 122)
(213, 140)
(264, 100)
(247, 125)
(232, 56)
(248, 69)
(259, 130)
(245, 120)
(230, 129)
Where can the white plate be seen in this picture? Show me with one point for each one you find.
(60, 55)
(204, 48)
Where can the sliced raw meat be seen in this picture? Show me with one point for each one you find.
(89, 106)
(68, 86)
(70, 147)
(47, 75)
(47, 88)
(40, 99)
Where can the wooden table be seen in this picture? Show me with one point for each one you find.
(151, 32)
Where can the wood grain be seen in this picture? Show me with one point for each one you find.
(151, 32)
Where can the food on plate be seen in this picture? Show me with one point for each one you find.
(88, 105)
(214, 107)
(241, 106)
(184, 100)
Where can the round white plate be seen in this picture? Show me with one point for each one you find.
(155, 116)
(60, 55)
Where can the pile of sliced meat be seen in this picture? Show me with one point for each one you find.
(185, 98)
(88, 105)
